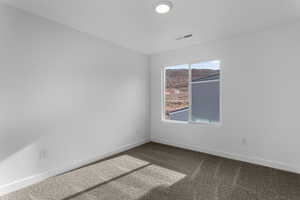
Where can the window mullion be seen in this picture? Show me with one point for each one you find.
(190, 93)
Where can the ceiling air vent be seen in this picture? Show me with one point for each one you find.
(184, 37)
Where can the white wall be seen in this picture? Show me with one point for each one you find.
(260, 98)
(74, 96)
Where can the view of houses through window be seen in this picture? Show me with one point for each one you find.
(192, 92)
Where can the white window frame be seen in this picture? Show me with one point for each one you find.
(163, 72)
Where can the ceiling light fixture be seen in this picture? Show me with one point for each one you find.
(163, 7)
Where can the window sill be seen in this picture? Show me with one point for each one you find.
(174, 122)
(191, 123)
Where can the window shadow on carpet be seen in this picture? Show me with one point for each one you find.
(121, 177)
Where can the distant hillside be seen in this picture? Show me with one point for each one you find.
(179, 78)
(202, 73)
(176, 78)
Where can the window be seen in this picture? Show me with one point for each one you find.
(176, 93)
(191, 92)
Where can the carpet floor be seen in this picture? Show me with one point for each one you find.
(159, 172)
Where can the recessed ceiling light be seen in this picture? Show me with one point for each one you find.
(163, 7)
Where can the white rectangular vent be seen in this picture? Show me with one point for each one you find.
(184, 37)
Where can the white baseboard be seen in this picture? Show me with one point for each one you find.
(254, 160)
(19, 184)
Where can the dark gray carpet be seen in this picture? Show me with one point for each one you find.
(159, 172)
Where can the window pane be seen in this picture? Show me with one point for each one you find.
(206, 92)
(176, 93)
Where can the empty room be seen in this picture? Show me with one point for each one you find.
(149, 99)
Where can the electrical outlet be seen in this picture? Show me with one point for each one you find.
(137, 132)
(244, 141)
(43, 154)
